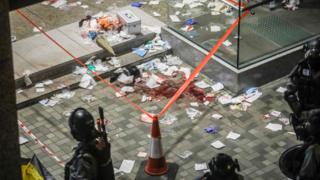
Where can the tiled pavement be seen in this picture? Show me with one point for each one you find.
(258, 149)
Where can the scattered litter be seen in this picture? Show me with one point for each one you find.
(126, 166)
(13, 38)
(211, 129)
(186, 71)
(39, 85)
(22, 140)
(127, 89)
(47, 82)
(142, 154)
(240, 106)
(26, 78)
(194, 104)
(227, 43)
(216, 116)
(40, 90)
(179, 5)
(174, 18)
(152, 82)
(65, 94)
(123, 78)
(233, 135)
(168, 119)
(156, 14)
(144, 98)
(18, 91)
(154, 2)
(87, 82)
(266, 116)
(202, 84)
(217, 87)
(136, 4)
(200, 166)
(215, 28)
(275, 113)
(225, 99)
(67, 113)
(185, 154)
(58, 3)
(215, 13)
(139, 51)
(84, 6)
(80, 70)
(115, 62)
(48, 102)
(285, 121)
(292, 133)
(218, 144)
(193, 113)
(145, 118)
(281, 89)
(274, 127)
(88, 98)
(190, 22)
(173, 60)
(251, 97)
(119, 94)
(36, 29)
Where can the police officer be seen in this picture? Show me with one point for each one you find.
(222, 167)
(303, 89)
(92, 158)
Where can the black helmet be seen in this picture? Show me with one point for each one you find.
(223, 164)
(312, 49)
(81, 124)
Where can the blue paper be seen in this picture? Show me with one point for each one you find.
(251, 90)
(140, 52)
(211, 129)
(136, 4)
(92, 35)
(190, 22)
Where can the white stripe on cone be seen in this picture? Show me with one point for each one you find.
(155, 150)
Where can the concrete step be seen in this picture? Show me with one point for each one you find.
(71, 81)
(66, 67)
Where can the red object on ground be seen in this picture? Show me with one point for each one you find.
(156, 164)
(201, 65)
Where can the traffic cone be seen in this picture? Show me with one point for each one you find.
(156, 164)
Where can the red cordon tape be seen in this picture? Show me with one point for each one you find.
(43, 146)
(82, 64)
(201, 65)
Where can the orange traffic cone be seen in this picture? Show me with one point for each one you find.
(156, 164)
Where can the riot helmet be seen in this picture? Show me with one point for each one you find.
(81, 124)
(312, 49)
(223, 165)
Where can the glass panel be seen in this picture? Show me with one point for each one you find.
(269, 32)
(212, 18)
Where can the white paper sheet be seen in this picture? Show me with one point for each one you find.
(179, 5)
(186, 71)
(281, 89)
(217, 87)
(87, 82)
(47, 82)
(275, 113)
(39, 85)
(285, 121)
(126, 89)
(156, 14)
(193, 113)
(126, 166)
(233, 135)
(216, 116)
(174, 18)
(225, 99)
(200, 166)
(202, 84)
(22, 140)
(194, 104)
(253, 97)
(215, 28)
(227, 43)
(218, 144)
(39, 90)
(185, 154)
(154, 2)
(274, 127)
(142, 154)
